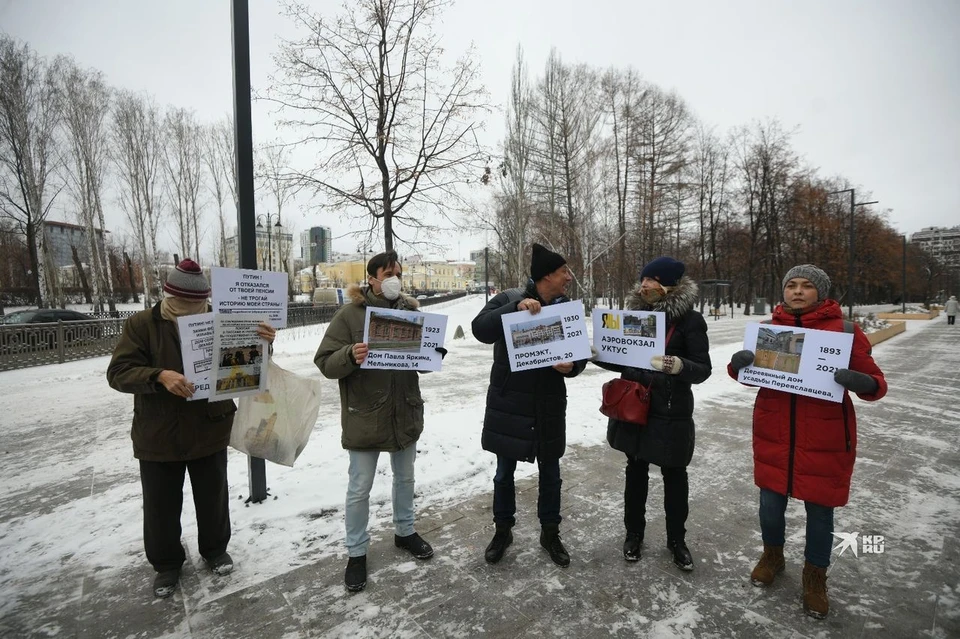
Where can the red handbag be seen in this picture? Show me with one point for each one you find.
(628, 401)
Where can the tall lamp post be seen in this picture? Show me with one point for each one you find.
(270, 224)
(853, 205)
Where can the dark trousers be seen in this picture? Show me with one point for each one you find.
(951, 319)
(505, 493)
(675, 493)
(162, 484)
(773, 524)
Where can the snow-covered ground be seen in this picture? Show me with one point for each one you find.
(82, 428)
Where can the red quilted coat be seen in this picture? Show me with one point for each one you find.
(805, 447)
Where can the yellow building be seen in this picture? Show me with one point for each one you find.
(342, 274)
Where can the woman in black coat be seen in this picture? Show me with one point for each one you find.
(667, 439)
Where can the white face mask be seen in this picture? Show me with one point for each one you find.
(390, 287)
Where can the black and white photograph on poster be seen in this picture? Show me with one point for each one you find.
(237, 290)
(196, 347)
(796, 360)
(403, 339)
(240, 356)
(629, 338)
(558, 333)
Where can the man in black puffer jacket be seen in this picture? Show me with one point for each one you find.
(526, 411)
(668, 437)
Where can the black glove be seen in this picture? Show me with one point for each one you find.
(741, 359)
(856, 382)
(442, 351)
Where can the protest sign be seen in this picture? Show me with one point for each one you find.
(558, 333)
(406, 340)
(196, 347)
(240, 356)
(796, 360)
(629, 338)
(238, 290)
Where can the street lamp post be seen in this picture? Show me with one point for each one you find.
(853, 205)
(270, 225)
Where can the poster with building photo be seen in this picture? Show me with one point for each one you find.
(406, 340)
(237, 290)
(796, 360)
(629, 338)
(196, 348)
(558, 333)
(240, 356)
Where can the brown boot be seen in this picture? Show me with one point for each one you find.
(815, 601)
(771, 563)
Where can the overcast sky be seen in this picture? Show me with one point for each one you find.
(873, 87)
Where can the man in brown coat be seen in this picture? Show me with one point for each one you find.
(172, 436)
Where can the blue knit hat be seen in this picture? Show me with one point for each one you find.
(665, 270)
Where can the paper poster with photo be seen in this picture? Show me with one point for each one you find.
(796, 360)
(237, 290)
(558, 333)
(240, 356)
(629, 338)
(196, 347)
(404, 340)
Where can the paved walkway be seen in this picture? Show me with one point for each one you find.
(906, 488)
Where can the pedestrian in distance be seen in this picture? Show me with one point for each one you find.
(172, 436)
(667, 440)
(805, 447)
(951, 308)
(525, 417)
(381, 411)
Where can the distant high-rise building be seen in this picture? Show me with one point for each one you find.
(940, 242)
(62, 238)
(316, 245)
(273, 250)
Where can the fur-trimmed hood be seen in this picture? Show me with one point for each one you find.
(680, 299)
(362, 295)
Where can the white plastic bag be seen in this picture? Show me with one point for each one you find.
(276, 424)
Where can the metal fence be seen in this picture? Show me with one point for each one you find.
(23, 345)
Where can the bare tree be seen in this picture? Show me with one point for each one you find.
(86, 105)
(395, 130)
(30, 112)
(138, 153)
(184, 168)
(220, 159)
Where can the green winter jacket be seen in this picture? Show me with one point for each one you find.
(379, 409)
(165, 427)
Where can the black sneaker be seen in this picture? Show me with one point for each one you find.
(550, 540)
(498, 545)
(165, 583)
(355, 577)
(681, 555)
(415, 544)
(222, 565)
(631, 546)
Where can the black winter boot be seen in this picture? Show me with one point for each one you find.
(550, 540)
(498, 545)
(355, 576)
(631, 546)
(681, 555)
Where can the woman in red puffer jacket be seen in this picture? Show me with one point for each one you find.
(804, 447)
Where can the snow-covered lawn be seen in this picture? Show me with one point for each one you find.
(65, 440)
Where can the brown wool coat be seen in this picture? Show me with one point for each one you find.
(165, 427)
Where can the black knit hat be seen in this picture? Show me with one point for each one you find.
(188, 281)
(665, 270)
(543, 262)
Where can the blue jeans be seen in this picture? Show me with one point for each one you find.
(363, 468)
(505, 494)
(773, 507)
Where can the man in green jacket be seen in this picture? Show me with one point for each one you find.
(172, 436)
(380, 411)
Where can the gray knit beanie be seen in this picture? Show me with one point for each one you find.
(808, 271)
